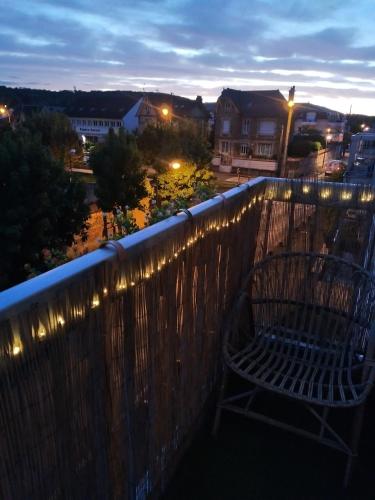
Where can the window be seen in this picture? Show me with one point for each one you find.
(227, 106)
(119, 124)
(224, 146)
(100, 124)
(226, 126)
(78, 122)
(311, 116)
(264, 149)
(244, 150)
(83, 122)
(106, 124)
(95, 122)
(89, 122)
(267, 127)
(245, 127)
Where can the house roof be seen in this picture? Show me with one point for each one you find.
(180, 106)
(322, 112)
(97, 104)
(258, 103)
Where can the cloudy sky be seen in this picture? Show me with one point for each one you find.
(324, 47)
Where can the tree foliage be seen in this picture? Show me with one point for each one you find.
(40, 209)
(162, 144)
(184, 183)
(307, 141)
(56, 133)
(117, 166)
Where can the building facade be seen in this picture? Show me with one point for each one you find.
(362, 149)
(92, 116)
(326, 121)
(248, 129)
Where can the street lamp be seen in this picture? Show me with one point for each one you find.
(175, 165)
(165, 111)
(4, 111)
(287, 131)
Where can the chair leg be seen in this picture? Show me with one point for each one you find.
(217, 419)
(356, 434)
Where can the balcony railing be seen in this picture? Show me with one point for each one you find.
(108, 362)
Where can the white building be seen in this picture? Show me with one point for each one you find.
(362, 149)
(94, 113)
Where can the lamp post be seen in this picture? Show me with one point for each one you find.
(287, 131)
(328, 138)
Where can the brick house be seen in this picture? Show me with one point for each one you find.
(248, 129)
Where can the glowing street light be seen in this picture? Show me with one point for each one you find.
(165, 111)
(175, 165)
(4, 111)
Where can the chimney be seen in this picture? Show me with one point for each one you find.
(199, 99)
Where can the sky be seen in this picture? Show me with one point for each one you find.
(326, 48)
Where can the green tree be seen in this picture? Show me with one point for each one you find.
(40, 209)
(183, 182)
(160, 145)
(56, 133)
(117, 166)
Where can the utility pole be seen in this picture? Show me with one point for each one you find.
(287, 131)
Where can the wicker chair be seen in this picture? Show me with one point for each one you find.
(302, 328)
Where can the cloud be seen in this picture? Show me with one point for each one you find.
(193, 47)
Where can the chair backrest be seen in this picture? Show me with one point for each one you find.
(316, 297)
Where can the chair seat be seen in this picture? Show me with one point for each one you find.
(300, 366)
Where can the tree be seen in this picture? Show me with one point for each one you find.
(56, 133)
(183, 183)
(40, 209)
(117, 166)
(160, 145)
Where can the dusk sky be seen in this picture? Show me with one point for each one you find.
(326, 48)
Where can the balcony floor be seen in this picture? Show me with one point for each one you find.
(250, 460)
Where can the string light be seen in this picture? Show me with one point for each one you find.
(60, 320)
(95, 302)
(346, 195)
(17, 347)
(325, 193)
(366, 197)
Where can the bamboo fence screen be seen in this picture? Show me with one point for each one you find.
(103, 376)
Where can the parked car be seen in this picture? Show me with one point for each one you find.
(334, 167)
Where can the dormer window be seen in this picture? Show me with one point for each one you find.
(227, 106)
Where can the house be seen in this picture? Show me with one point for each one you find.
(362, 149)
(326, 121)
(248, 129)
(92, 114)
(157, 108)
